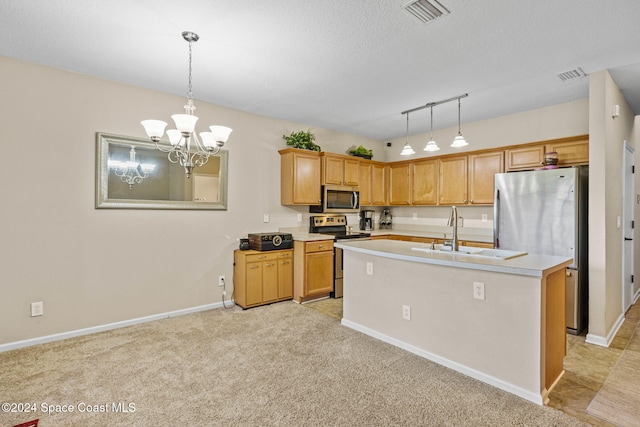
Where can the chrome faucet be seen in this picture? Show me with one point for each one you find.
(453, 222)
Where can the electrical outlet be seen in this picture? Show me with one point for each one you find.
(221, 280)
(415, 216)
(484, 217)
(370, 268)
(37, 309)
(299, 217)
(406, 312)
(265, 218)
(478, 290)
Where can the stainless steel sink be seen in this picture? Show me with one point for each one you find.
(471, 251)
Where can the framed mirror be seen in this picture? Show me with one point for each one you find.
(131, 173)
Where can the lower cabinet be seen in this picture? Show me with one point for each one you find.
(262, 277)
(313, 273)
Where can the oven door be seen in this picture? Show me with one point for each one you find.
(340, 199)
(338, 271)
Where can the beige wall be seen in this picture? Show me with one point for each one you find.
(94, 267)
(606, 151)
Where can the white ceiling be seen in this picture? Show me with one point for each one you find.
(348, 65)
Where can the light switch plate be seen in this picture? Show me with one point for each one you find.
(478, 290)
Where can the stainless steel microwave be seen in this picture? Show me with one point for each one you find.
(338, 199)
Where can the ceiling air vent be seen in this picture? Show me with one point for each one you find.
(571, 74)
(426, 10)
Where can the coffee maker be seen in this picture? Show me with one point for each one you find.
(366, 220)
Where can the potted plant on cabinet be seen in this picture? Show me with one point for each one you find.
(303, 140)
(361, 151)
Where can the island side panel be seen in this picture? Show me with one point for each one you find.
(499, 337)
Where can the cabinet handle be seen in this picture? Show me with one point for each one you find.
(261, 256)
(284, 263)
(253, 266)
(320, 246)
(268, 265)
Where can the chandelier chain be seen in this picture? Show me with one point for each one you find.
(190, 93)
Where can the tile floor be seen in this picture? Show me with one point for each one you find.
(586, 365)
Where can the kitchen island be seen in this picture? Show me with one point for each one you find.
(501, 321)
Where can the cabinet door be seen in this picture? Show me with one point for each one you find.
(285, 278)
(319, 273)
(524, 158)
(571, 153)
(399, 184)
(299, 177)
(351, 171)
(424, 182)
(452, 183)
(365, 183)
(254, 283)
(269, 281)
(306, 189)
(482, 168)
(379, 184)
(333, 170)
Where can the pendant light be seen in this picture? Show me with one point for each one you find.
(407, 150)
(459, 140)
(431, 144)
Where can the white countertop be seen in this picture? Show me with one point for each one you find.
(485, 238)
(526, 265)
(305, 236)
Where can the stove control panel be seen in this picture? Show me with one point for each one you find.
(328, 220)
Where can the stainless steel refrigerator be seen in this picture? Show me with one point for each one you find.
(546, 212)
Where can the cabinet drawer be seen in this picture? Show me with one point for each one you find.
(265, 256)
(321, 245)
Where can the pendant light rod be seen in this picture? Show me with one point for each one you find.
(433, 104)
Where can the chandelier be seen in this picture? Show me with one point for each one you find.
(131, 172)
(186, 148)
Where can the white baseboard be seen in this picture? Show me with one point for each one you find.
(606, 341)
(101, 328)
(488, 379)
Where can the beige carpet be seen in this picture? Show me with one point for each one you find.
(618, 401)
(283, 364)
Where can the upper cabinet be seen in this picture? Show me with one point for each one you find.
(299, 177)
(364, 172)
(400, 184)
(575, 152)
(452, 180)
(424, 182)
(571, 152)
(379, 184)
(525, 158)
(465, 179)
(339, 169)
(482, 168)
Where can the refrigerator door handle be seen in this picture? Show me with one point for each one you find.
(628, 238)
(496, 220)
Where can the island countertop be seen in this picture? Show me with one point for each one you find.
(526, 265)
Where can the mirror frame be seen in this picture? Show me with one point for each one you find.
(102, 179)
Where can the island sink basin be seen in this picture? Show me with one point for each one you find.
(502, 254)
